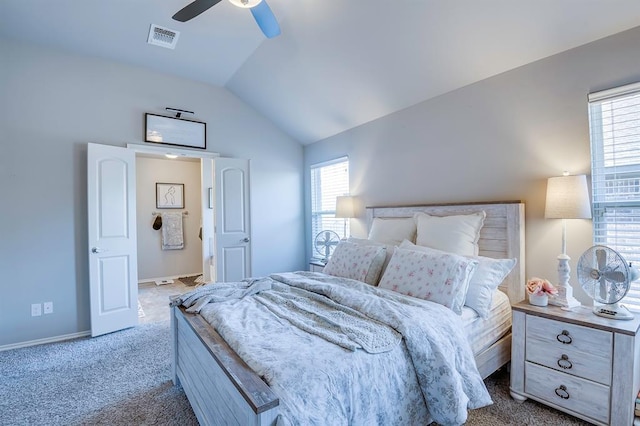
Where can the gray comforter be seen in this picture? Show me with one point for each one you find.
(330, 349)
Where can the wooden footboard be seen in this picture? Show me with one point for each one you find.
(220, 386)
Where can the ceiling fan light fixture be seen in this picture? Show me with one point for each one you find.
(246, 4)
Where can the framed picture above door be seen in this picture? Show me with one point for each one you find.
(175, 131)
(170, 195)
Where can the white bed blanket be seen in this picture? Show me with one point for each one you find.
(319, 382)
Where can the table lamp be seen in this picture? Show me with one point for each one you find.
(345, 210)
(567, 198)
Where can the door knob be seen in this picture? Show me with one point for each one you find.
(97, 250)
(245, 240)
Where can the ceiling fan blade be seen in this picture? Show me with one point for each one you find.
(266, 20)
(194, 9)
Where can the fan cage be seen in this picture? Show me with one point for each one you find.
(619, 229)
(320, 250)
(591, 275)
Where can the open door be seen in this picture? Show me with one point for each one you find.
(232, 230)
(111, 193)
(207, 225)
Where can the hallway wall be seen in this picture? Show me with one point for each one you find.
(153, 262)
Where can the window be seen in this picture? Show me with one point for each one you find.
(614, 117)
(328, 180)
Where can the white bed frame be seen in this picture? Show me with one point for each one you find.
(223, 390)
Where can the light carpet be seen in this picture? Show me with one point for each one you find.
(123, 378)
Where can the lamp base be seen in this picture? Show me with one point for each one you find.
(564, 301)
(564, 298)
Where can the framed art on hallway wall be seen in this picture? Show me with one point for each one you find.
(170, 195)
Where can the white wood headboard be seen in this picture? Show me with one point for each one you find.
(502, 235)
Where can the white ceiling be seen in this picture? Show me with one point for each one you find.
(338, 63)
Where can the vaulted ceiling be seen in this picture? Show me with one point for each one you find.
(337, 64)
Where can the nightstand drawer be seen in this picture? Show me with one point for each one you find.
(569, 392)
(586, 352)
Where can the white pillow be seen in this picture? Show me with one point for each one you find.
(457, 234)
(389, 250)
(356, 261)
(393, 230)
(485, 280)
(430, 274)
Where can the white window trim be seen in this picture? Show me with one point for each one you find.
(600, 204)
(312, 167)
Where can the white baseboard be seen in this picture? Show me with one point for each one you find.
(170, 277)
(45, 340)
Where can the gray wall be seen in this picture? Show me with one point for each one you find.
(53, 103)
(153, 262)
(499, 139)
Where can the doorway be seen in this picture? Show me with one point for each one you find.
(112, 224)
(166, 269)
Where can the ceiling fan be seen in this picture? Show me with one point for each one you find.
(259, 9)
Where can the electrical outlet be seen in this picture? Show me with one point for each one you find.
(48, 307)
(36, 309)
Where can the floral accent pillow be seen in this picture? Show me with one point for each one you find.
(431, 275)
(356, 261)
(389, 250)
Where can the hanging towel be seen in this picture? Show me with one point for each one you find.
(172, 236)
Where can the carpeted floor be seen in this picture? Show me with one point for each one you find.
(123, 379)
(118, 379)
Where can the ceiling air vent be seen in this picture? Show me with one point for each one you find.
(163, 37)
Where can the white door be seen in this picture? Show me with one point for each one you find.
(232, 231)
(208, 252)
(113, 270)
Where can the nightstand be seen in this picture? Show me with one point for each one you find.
(576, 362)
(316, 266)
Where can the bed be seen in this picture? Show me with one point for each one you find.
(223, 389)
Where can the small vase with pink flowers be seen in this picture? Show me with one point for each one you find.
(539, 290)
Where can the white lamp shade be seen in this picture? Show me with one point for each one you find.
(567, 198)
(344, 207)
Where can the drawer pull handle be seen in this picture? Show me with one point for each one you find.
(564, 362)
(562, 392)
(564, 338)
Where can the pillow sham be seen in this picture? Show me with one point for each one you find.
(388, 250)
(457, 234)
(430, 274)
(393, 230)
(462, 295)
(485, 280)
(356, 261)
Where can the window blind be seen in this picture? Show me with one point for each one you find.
(328, 181)
(614, 118)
